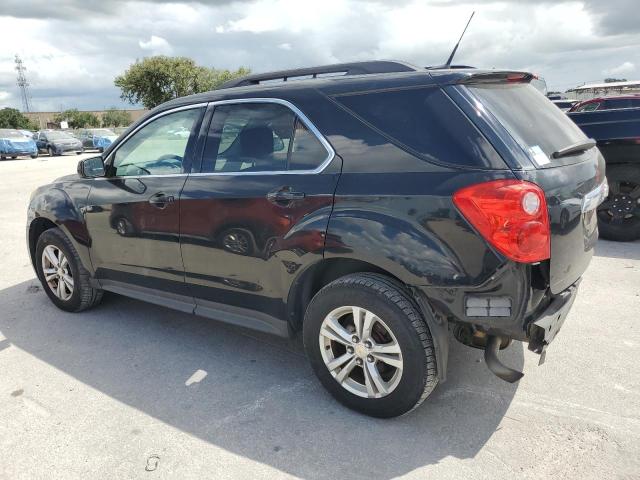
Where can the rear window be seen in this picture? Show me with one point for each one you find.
(534, 122)
(425, 122)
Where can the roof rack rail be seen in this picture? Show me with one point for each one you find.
(338, 69)
(445, 67)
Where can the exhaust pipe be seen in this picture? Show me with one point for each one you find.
(498, 368)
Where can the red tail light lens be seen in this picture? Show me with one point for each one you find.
(511, 215)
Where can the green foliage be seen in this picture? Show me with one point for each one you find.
(155, 80)
(116, 118)
(12, 118)
(77, 119)
(611, 80)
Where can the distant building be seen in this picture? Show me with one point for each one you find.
(593, 90)
(45, 119)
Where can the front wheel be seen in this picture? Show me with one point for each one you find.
(35, 155)
(63, 277)
(619, 214)
(370, 346)
(51, 151)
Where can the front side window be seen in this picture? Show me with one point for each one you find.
(588, 107)
(159, 148)
(260, 137)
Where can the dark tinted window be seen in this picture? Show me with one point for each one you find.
(529, 117)
(426, 122)
(260, 137)
(616, 103)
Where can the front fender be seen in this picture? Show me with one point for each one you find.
(61, 205)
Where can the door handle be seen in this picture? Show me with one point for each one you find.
(284, 195)
(160, 200)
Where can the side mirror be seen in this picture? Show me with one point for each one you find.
(91, 167)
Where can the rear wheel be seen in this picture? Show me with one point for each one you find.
(619, 214)
(51, 151)
(369, 345)
(62, 274)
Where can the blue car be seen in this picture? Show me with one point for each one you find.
(97, 138)
(14, 144)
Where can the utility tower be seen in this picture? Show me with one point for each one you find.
(23, 84)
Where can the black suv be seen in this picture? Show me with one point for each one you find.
(373, 207)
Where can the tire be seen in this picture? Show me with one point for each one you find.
(84, 296)
(396, 312)
(35, 155)
(51, 152)
(13, 157)
(624, 193)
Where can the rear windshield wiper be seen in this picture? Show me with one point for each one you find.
(575, 148)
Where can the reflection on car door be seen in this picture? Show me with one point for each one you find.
(133, 213)
(248, 223)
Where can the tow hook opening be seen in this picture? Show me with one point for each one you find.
(495, 365)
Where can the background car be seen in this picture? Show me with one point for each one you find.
(14, 144)
(57, 142)
(97, 138)
(27, 133)
(607, 103)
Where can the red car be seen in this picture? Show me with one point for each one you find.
(607, 103)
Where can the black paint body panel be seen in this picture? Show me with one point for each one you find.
(222, 246)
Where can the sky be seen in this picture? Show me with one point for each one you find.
(73, 49)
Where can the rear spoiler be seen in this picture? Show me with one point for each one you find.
(497, 77)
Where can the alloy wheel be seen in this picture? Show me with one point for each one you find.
(57, 272)
(361, 352)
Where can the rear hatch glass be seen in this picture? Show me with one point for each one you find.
(569, 182)
(532, 120)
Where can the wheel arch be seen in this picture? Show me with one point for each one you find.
(53, 208)
(315, 277)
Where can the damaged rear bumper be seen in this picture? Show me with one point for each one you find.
(544, 329)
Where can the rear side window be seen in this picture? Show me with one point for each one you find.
(529, 117)
(260, 137)
(617, 103)
(425, 122)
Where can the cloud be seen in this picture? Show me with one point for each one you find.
(73, 49)
(156, 45)
(623, 68)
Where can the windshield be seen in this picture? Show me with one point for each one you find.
(7, 133)
(58, 136)
(532, 120)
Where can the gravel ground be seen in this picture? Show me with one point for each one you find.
(131, 390)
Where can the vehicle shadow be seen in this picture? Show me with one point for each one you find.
(259, 398)
(625, 250)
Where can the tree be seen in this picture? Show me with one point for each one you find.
(116, 118)
(611, 80)
(155, 80)
(12, 118)
(77, 119)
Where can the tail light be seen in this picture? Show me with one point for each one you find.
(511, 215)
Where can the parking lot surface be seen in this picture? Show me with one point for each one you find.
(131, 390)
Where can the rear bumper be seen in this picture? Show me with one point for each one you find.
(544, 329)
